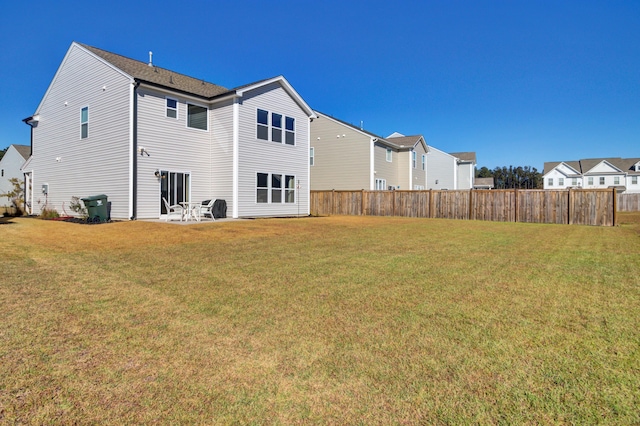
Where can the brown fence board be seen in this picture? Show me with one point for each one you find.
(579, 206)
(629, 202)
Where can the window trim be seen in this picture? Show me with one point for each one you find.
(206, 120)
(602, 180)
(168, 108)
(550, 181)
(286, 192)
(84, 134)
(414, 159)
(424, 162)
(634, 180)
(381, 184)
(284, 133)
(590, 180)
(616, 180)
(560, 181)
(389, 155)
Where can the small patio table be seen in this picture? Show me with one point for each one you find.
(192, 210)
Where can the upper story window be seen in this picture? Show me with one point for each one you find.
(414, 158)
(172, 108)
(84, 123)
(590, 180)
(616, 180)
(550, 182)
(290, 131)
(197, 117)
(311, 156)
(634, 180)
(601, 180)
(560, 181)
(424, 162)
(389, 155)
(270, 126)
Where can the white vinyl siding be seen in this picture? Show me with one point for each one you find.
(101, 164)
(280, 158)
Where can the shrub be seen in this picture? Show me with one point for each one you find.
(16, 196)
(77, 206)
(49, 213)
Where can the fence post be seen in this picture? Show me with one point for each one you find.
(615, 206)
(569, 218)
(470, 203)
(431, 203)
(516, 210)
(362, 203)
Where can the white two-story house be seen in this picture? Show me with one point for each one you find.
(139, 133)
(621, 173)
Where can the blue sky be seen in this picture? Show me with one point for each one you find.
(518, 82)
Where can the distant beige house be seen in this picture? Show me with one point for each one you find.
(347, 157)
(621, 173)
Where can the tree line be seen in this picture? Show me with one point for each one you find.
(526, 177)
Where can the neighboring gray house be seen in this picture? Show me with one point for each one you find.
(138, 133)
(10, 166)
(450, 171)
(622, 173)
(346, 157)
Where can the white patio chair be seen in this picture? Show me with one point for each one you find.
(206, 208)
(174, 210)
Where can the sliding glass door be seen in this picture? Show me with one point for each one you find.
(175, 187)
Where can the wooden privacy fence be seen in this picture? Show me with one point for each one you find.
(629, 202)
(573, 206)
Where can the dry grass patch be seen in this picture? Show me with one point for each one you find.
(319, 320)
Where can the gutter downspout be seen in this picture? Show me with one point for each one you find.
(28, 122)
(372, 171)
(236, 156)
(133, 165)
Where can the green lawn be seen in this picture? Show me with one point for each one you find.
(336, 320)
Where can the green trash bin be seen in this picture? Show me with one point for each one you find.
(96, 208)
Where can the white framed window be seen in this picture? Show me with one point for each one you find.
(560, 181)
(616, 180)
(84, 122)
(270, 127)
(414, 159)
(276, 127)
(590, 180)
(549, 182)
(634, 180)
(311, 156)
(424, 162)
(172, 108)
(381, 184)
(275, 188)
(389, 155)
(602, 180)
(290, 131)
(197, 117)
(418, 187)
(574, 181)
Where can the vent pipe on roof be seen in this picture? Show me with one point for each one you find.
(361, 125)
(150, 58)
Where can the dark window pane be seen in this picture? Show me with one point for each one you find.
(276, 195)
(197, 117)
(263, 132)
(276, 120)
(84, 131)
(276, 181)
(263, 180)
(262, 196)
(290, 182)
(289, 123)
(263, 117)
(172, 103)
(290, 196)
(290, 138)
(172, 113)
(84, 115)
(276, 135)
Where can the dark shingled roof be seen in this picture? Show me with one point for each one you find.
(465, 156)
(24, 150)
(159, 76)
